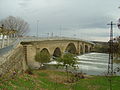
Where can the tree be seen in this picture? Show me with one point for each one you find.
(67, 60)
(116, 47)
(15, 23)
(42, 57)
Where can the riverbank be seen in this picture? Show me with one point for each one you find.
(117, 61)
(56, 80)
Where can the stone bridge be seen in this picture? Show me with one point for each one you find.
(21, 54)
(55, 47)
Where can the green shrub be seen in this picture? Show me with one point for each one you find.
(42, 57)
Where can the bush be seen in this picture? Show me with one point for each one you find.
(42, 57)
(67, 60)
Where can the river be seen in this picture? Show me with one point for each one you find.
(94, 63)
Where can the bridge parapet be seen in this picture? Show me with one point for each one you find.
(25, 39)
(17, 41)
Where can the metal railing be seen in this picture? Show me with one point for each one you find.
(9, 48)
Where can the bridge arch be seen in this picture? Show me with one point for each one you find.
(86, 49)
(45, 52)
(57, 52)
(71, 48)
(90, 49)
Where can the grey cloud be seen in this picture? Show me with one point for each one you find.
(24, 3)
(97, 22)
(70, 14)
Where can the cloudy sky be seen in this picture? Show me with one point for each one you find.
(85, 19)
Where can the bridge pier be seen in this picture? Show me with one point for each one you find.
(30, 58)
(78, 48)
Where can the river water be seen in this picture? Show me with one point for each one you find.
(94, 63)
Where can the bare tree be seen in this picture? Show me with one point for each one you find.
(16, 23)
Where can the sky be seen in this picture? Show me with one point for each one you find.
(84, 19)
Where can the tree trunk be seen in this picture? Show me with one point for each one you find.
(3, 41)
(67, 71)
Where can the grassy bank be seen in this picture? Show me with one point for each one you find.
(56, 80)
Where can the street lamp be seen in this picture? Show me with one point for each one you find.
(37, 28)
(60, 30)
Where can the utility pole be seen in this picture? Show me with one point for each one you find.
(52, 34)
(111, 51)
(47, 35)
(111, 48)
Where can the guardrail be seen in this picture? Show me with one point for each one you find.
(9, 48)
(6, 49)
